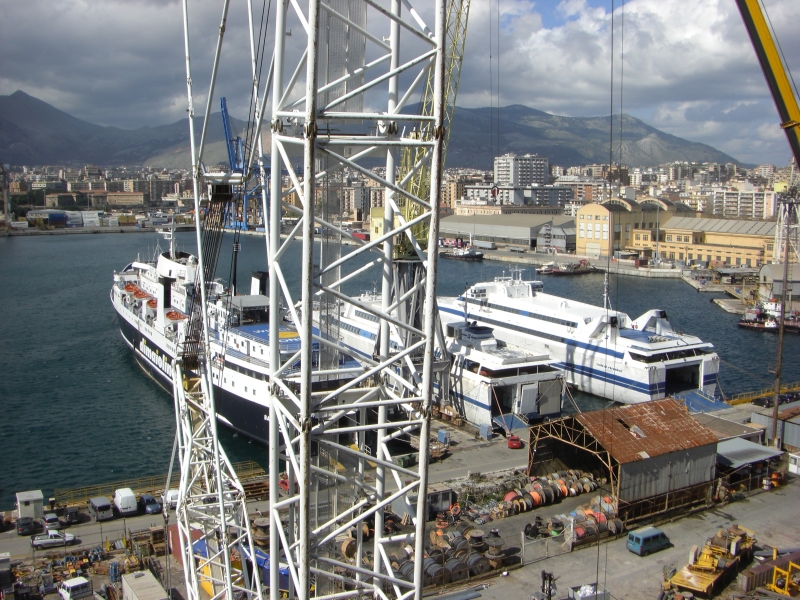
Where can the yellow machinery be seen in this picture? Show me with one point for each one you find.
(413, 169)
(774, 71)
(718, 561)
(786, 581)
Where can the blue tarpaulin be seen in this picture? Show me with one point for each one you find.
(698, 402)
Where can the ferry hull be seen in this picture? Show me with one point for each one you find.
(597, 371)
(247, 417)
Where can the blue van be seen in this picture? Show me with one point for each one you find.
(646, 541)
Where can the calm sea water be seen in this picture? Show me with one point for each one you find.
(76, 409)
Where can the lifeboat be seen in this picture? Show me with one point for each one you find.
(152, 303)
(140, 294)
(174, 315)
(130, 288)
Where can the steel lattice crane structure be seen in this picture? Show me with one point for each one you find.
(332, 429)
(336, 436)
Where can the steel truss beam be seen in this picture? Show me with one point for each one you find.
(568, 431)
(336, 443)
(211, 500)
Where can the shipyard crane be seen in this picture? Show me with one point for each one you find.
(214, 531)
(333, 427)
(784, 95)
(336, 428)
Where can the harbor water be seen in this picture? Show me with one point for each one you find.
(76, 409)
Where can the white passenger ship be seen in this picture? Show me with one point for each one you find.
(489, 381)
(153, 299)
(602, 351)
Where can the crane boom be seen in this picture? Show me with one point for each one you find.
(414, 160)
(774, 70)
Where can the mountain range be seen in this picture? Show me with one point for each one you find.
(32, 132)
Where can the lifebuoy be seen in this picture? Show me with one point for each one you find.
(455, 509)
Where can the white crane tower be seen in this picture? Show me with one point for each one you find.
(341, 95)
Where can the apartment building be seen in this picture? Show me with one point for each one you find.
(521, 171)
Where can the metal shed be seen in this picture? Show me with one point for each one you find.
(736, 453)
(656, 455)
(30, 504)
(726, 429)
(788, 425)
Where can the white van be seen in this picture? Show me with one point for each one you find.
(77, 587)
(125, 502)
(100, 508)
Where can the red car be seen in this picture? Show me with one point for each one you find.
(514, 442)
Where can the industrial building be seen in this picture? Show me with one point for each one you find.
(522, 230)
(714, 241)
(770, 281)
(656, 456)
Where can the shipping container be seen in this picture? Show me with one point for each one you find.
(142, 585)
(484, 245)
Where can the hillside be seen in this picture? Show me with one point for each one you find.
(33, 132)
(567, 141)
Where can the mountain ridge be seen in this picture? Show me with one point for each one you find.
(33, 132)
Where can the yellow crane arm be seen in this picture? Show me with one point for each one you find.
(774, 71)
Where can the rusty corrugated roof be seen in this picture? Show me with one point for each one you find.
(640, 431)
(789, 413)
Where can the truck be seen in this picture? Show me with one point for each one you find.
(77, 587)
(52, 539)
(484, 245)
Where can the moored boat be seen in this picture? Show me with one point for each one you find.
(602, 351)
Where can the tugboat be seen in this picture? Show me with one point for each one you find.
(769, 324)
(546, 268)
(468, 253)
(580, 268)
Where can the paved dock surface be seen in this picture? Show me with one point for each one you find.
(772, 515)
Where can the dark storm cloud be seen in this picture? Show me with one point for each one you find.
(689, 68)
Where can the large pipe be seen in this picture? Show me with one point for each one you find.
(306, 301)
(429, 308)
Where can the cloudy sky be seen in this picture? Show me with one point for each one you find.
(689, 68)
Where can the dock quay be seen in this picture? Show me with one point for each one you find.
(253, 478)
(519, 561)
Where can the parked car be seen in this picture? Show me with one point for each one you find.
(149, 505)
(514, 442)
(52, 539)
(25, 526)
(51, 522)
(72, 516)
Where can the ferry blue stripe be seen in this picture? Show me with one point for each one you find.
(533, 332)
(649, 389)
(466, 398)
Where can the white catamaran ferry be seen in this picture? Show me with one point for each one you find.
(489, 381)
(602, 351)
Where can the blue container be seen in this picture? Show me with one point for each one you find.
(444, 436)
(486, 432)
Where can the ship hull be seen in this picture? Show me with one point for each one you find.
(243, 415)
